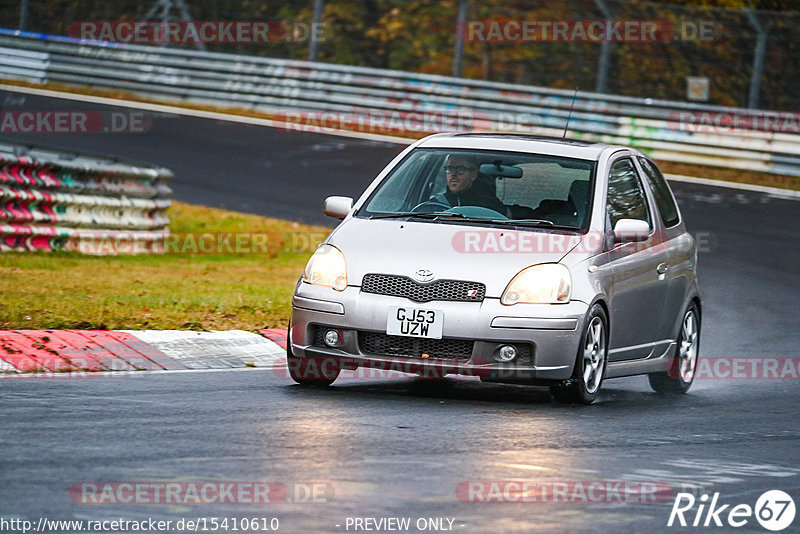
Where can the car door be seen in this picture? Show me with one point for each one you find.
(638, 269)
(682, 251)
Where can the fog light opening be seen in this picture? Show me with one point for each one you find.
(332, 338)
(506, 353)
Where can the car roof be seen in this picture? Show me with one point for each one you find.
(555, 146)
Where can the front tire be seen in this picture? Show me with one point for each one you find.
(590, 364)
(682, 368)
(311, 371)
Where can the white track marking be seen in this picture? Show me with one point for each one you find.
(210, 350)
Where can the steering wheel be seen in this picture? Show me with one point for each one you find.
(429, 206)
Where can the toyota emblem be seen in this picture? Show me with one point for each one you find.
(424, 275)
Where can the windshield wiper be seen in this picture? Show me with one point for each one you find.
(528, 222)
(433, 215)
(461, 217)
(538, 222)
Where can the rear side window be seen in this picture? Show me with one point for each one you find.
(664, 201)
(626, 198)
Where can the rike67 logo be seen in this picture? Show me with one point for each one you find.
(774, 510)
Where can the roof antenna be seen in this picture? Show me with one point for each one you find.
(571, 105)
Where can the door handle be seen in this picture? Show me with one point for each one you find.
(662, 268)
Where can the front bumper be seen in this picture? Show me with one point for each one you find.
(546, 336)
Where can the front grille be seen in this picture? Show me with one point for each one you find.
(402, 286)
(411, 347)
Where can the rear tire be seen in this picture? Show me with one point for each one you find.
(590, 363)
(310, 371)
(682, 367)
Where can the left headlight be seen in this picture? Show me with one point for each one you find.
(547, 283)
(326, 268)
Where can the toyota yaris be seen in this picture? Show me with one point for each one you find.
(514, 258)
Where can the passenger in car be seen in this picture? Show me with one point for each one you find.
(465, 187)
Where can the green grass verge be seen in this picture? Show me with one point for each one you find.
(249, 288)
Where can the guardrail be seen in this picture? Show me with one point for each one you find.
(671, 131)
(53, 200)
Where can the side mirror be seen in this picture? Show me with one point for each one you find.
(631, 231)
(338, 207)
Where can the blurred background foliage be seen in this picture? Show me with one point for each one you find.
(420, 36)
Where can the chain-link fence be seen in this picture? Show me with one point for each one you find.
(733, 57)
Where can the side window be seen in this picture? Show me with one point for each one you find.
(626, 199)
(664, 201)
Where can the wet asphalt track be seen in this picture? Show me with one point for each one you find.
(400, 447)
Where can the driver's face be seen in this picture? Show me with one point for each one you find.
(460, 174)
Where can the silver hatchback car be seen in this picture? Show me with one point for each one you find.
(515, 258)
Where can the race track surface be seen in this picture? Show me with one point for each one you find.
(401, 447)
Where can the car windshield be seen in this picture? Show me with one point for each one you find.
(486, 186)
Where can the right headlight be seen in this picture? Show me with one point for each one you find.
(546, 283)
(326, 268)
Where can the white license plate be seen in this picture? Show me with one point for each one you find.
(414, 322)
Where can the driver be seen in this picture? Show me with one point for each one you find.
(463, 186)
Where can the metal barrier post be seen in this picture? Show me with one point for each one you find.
(313, 47)
(24, 7)
(458, 53)
(605, 51)
(758, 60)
